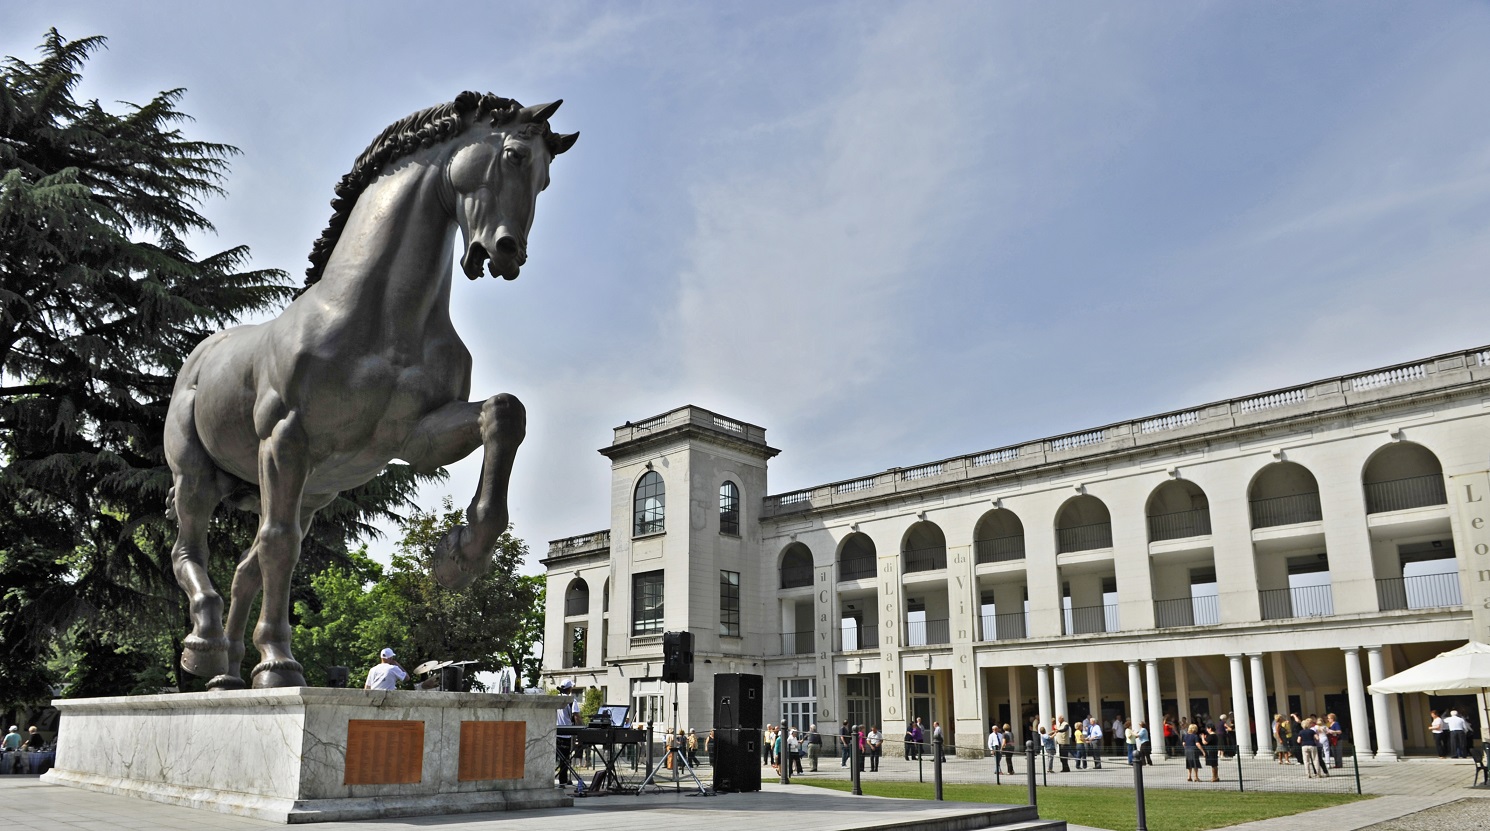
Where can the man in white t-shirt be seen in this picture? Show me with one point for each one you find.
(1458, 730)
(386, 675)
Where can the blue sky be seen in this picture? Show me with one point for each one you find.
(887, 232)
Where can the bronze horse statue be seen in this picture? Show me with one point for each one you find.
(362, 368)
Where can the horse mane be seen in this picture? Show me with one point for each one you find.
(422, 129)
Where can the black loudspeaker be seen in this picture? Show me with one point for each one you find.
(337, 676)
(677, 657)
(452, 678)
(736, 758)
(738, 701)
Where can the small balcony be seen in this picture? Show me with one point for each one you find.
(576, 605)
(855, 637)
(1403, 494)
(1083, 537)
(795, 577)
(574, 658)
(1180, 525)
(925, 559)
(1204, 610)
(1286, 510)
(796, 643)
(1089, 620)
(855, 568)
(1301, 601)
(1010, 626)
(999, 549)
(1426, 591)
(928, 632)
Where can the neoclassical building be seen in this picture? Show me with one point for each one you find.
(1270, 553)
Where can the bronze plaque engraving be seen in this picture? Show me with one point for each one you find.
(384, 752)
(492, 750)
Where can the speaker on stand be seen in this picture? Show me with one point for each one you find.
(738, 715)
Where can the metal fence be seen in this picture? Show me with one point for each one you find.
(928, 632)
(925, 559)
(1286, 510)
(855, 568)
(1005, 627)
(1083, 537)
(796, 643)
(1425, 591)
(999, 549)
(1086, 620)
(1301, 601)
(1402, 494)
(795, 577)
(1187, 611)
(1179, 525)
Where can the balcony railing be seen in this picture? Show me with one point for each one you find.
(1425, 591)
(1301, 601)
(1286, 510)
(578, 604)
(925, 559)
(855, 568)
(796, 643)
(1179, 525)
(1009, 626)
(999, 549)
(574, 658)
(928, 632)
(1401, 494)
(855, 637)
(795, 577)
(1083, 537)
(1087, 620)
(1187, 611)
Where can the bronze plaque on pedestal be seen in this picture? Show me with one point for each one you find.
(384, 752)
(492, 750)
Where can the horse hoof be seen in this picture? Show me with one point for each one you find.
(446, 564)
(205, 657)
(226, 682)
(272, 674)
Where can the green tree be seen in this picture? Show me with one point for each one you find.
(351, 615)
(493, 622)
(101, 301)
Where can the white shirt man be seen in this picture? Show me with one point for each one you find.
(995, 741)
(386, 675)
(1458, 731)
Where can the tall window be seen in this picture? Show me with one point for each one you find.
(799, 702)
(650, 504)
(729, 604)
(646, 603)
(729, 509)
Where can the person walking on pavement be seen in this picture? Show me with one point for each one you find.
(814, 746)
(876, 742)
(843, 742)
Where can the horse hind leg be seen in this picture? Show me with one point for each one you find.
(197, 488)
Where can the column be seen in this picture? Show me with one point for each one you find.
(1280, 686)
(1360, 734)
(1061, 702)
(1240, 720)
(1155, 716)
(1260, 708)
(1135, 697)
(1093, 691)
(1381, 704)
(1014, 705)
(1182, 693)
(1042, 687)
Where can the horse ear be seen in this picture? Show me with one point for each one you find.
(541, 112)
(565, 142)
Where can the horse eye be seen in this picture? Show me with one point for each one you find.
(514, 155)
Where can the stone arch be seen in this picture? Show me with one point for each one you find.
(1283, 493)
(1177, 509)
(1403, 475)
(796, 566)
(923, 548)
(998, 537)
(1083, 523)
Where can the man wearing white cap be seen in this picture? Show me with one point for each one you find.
(386, 675)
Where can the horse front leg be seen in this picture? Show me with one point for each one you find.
(497, 425)
(283, 468)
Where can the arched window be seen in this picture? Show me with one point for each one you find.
(577, 598)
(1403, 475)
(650, 505)
(1082, 524)
(1176, 510)
(796, 566)
(1284, 493)
(729, 508)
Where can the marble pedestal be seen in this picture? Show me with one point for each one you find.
(311, 754)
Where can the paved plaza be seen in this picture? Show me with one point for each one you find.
(1403, 789)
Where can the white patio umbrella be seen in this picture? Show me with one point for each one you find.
(1462, 670)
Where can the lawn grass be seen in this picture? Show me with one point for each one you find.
(1113, 808)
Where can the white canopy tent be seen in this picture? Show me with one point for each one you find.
(1462, 670)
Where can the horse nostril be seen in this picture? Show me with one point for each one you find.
(508, 246)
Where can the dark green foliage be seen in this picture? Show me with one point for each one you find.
(101, 301)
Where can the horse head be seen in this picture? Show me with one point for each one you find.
(496, 171)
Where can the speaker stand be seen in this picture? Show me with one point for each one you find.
(679, 757)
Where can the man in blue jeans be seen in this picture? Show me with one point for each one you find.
(843, 741)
